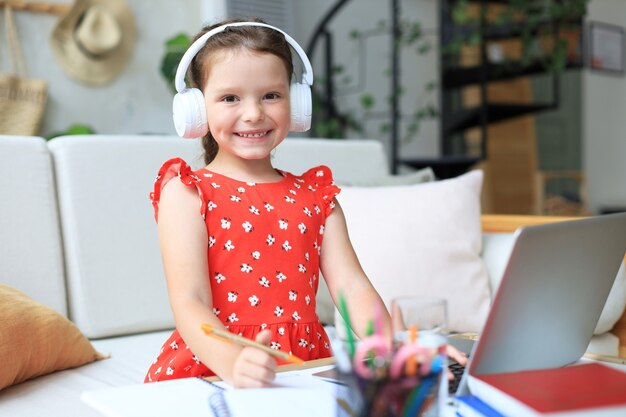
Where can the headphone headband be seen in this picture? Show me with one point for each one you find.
(181, 71)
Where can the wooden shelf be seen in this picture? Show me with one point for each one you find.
(463, 76)
(482, 72)
(506, 30)
(499, 223)
(472, 117)
(448, 166)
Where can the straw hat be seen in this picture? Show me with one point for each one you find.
(94, 40)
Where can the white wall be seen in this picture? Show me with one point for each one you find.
(604, 109)
(138, 101)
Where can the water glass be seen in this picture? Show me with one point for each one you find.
(418, 314)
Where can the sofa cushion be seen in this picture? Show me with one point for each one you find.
(31, 258)
(423, 239)
(114, 274)
(418, 177)
(36, 340)
(296, 155)
(58, 394)
(615, 304)
(497, 249)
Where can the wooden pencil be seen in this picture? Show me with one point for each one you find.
(225, 335)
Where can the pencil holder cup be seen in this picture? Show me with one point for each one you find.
(404, 381)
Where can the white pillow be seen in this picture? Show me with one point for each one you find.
(615, 304)
(423, 239)
(497, 249)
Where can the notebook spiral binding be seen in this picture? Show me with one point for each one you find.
(218, 405)
(217, 402)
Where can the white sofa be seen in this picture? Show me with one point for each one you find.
(77, 234)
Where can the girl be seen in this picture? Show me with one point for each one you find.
(243, 243)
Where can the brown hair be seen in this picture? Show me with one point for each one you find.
(254, 38)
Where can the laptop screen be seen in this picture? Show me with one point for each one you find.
(551, 296)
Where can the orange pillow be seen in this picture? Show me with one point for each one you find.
(36, 340)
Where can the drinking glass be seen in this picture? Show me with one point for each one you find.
(420, 314)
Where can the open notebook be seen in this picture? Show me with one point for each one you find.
(296, 393)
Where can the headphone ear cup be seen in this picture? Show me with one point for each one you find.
(189, 112)
(301, 107)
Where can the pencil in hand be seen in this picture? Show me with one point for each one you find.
(226, 336)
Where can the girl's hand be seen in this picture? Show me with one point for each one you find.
(457, 355)
(254, 368)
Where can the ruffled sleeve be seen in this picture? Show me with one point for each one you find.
(320, 180)
(175, 167)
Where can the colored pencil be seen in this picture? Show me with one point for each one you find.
(226, 336)
(411, 362)
(343, 309)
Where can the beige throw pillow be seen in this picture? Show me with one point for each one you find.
(423, 239)
(36, 340)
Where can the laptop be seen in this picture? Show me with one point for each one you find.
(552, 293)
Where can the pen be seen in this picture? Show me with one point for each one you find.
(225, 335)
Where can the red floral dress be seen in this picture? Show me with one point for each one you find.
(263, 260)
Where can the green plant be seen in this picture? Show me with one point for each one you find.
(75, 129)
(537, 19)
(175, 48)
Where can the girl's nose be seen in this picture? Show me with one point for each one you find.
(253, 111)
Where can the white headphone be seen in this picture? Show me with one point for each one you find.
(190, 118)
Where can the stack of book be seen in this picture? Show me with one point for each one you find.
(590, 390)
(471, 406)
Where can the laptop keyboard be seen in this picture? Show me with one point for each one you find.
(457, 370)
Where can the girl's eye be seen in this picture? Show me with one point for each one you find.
(272, 96)
(229, 99)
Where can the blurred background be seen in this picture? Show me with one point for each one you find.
(533, 92)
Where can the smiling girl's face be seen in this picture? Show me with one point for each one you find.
(247, 103)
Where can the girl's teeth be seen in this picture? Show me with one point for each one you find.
(252, 135)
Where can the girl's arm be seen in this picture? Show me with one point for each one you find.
(344, 275)
(183, 240)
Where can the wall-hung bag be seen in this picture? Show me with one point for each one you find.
(22, 100)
